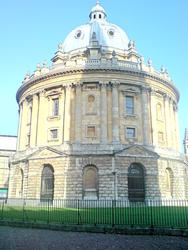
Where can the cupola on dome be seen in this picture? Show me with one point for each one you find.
(108, 35)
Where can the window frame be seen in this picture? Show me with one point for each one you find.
(130, 127)
(91, 125)
(132, 106)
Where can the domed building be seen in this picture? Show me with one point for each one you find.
(99, 123)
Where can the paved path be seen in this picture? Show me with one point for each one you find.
(34, 239)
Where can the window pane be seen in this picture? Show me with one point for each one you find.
(130, 132)
(129, 105)
(56, 107)
(53, 133)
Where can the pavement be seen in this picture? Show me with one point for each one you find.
(37, 239)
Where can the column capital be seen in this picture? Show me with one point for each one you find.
(67, 85)
(115, 83)
(78, 84)
(42, 93)
(145, 89)
(103, 84)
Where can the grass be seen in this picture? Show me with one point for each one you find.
(163, 216)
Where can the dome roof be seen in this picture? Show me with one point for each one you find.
(107, 34)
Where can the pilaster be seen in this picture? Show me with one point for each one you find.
(67, 121)
(145, 116)
(115, 111)
(78, 113)
(34, 120)
(103, 108)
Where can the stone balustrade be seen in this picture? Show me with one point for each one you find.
(102, 63)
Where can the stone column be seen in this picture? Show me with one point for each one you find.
(34, 120)
(41, 130)
(67, 121)
(103, 108)
(171, 128)
(115, 112)
(153, 118)
(20, 125)
(167, 120)
(145, 117)
(23, 132)
(78, 113)
(178, 147)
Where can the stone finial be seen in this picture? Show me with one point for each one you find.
(131, 44)
(113, 53)
(60, 46)
(27, 76)
(166, 72)
(162, 69)
(141, 59)
(38, 66)
(149, 62)
(44, 63)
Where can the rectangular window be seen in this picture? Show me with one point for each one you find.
(129, 105)
(91, 131)
(55, 109)
(130, 133)
(53, 134)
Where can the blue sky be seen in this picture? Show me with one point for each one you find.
(31, 30)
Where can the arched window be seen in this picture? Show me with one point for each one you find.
(47, 183)
(136, 185)
(90, 182)
(91, 103)
(168, 182)
(159, 112)
(19, 186)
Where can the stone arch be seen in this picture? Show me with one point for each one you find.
(19, 183)
(136, 182)
(47, 183)
(168, 182)
(90, 182)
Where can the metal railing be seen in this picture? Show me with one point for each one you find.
(151, 213)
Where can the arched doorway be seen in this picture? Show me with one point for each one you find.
(90, 182)
(47, 183)
(136, 182)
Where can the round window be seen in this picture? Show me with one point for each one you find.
(78, 34)
(111, 33)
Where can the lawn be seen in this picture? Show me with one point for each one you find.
(163, 216)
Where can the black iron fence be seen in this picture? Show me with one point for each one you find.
(151, 213)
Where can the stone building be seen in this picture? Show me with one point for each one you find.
(99, 123)
(7, 149)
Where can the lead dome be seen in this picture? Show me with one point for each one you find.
(108, 35)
